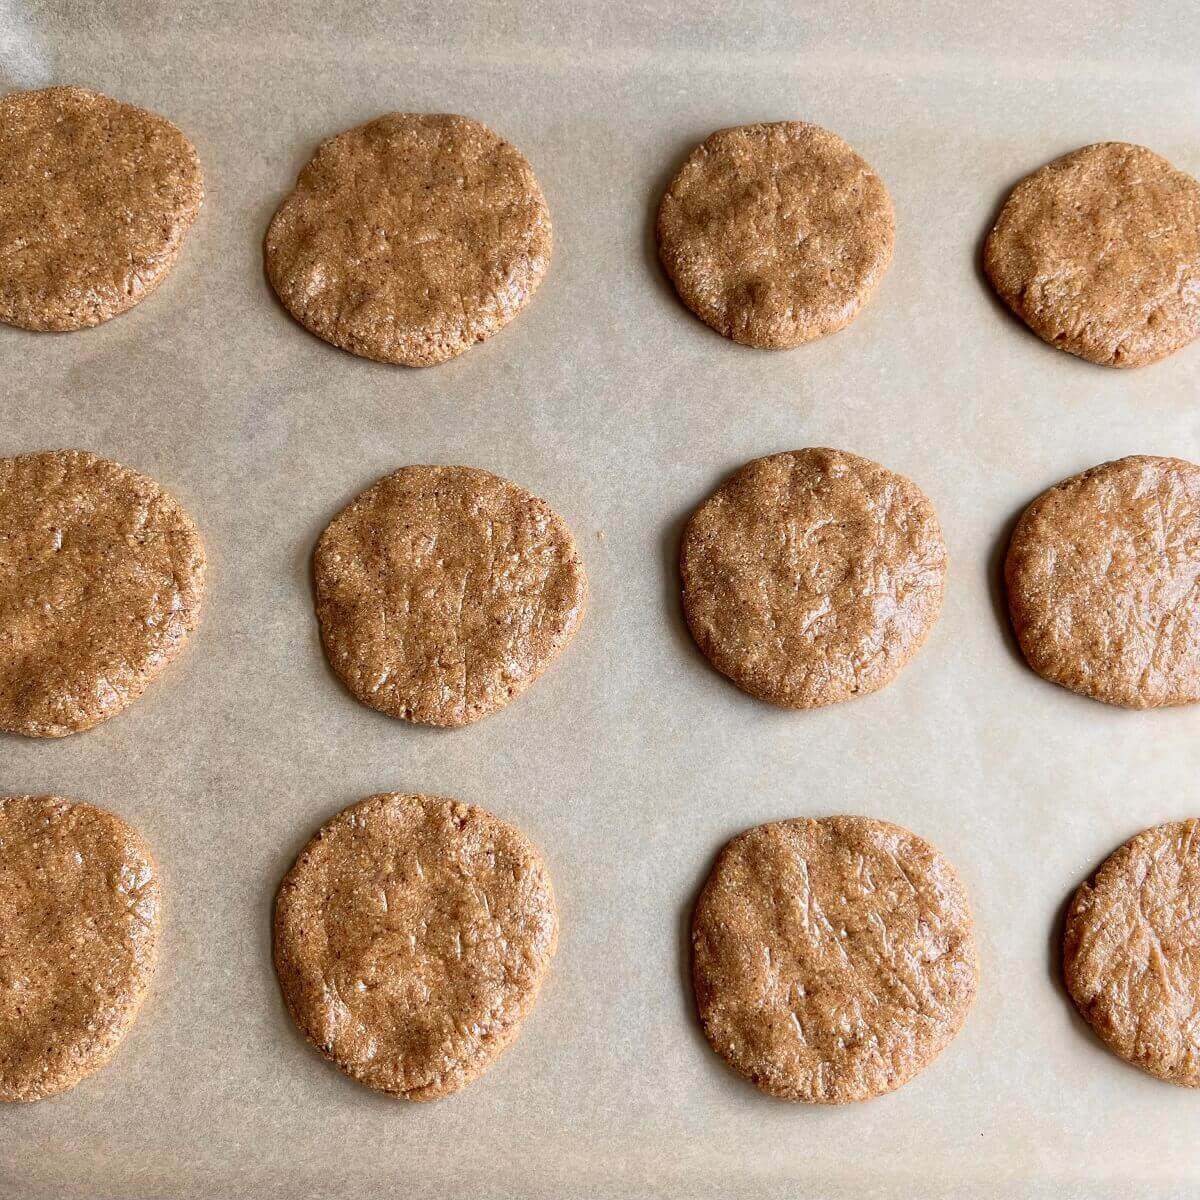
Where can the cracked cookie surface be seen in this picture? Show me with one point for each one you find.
(96, 198)
(1131, 955)
(411, 939)
(775, 234)
(832, 960)
(812, 576)
(1103, 578)
(444, 592)
(410, 238)
(1098, 253)
(101, 583)
(80, 913)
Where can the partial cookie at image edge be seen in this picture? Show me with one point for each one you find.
(1100, 578)
(102, 583)
(85, 250)
(1130, 958)
(80, 917)
(1098, 253)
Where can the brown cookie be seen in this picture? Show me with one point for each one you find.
(411, 238)
(812, 576)
(101, 582)
(775, 234)
(80, 913)
(833, 960)
(443, 592)
(1099, 254)
(1131, 955)
(1103, 575)
(95, 200)
(411, 939)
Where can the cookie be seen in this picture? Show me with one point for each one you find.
(1131, 957)
(80, 914)
(101, 582)
(775, 234)
(833, 960)
(410, 238)
(1099, 254)
(96, 198)
(812, 576)
(411, 939)
(443, 592)
(1102, 577)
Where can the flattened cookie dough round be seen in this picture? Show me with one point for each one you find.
(443, 592)
(1103, 575)
(101, 582)
(775, 234)
(410, 238)
(833, 960)
(812, 576)
(80, 913)
(96, 197)
(411, 939)
(1131, 957)
(1099, 254)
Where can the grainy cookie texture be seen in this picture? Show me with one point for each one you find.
(812, 576)
(775, 234)
(1099, 254)
(1103, 575)
(410, 238)
(1131, 954)
(80, 912)
(833, 960)
(101, 582)
(96, 197)
(443, 592)
(411, 939)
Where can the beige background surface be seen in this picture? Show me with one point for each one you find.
(631, 761)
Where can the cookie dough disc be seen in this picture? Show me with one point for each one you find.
(411, 939)
(1103, 575)
(1099, 254)
(833, 960)
(1132, 956)
(443, 592)
(95, 200)
(812, 576)
(410, 238)
(775, 234)
(101, 581)
(80, 912)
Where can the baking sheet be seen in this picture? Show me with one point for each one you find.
(631, 761)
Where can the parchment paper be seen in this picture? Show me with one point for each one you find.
(631, 761)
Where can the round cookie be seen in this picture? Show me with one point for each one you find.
(833, 960)
(80, 913)
(1103, 572)
(1131, 957)
(410, 238)
(411, 939)
(1099, 254)
(443, 592)
(101, 582)
(96, 197)
(775, 234)
(812, 576)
